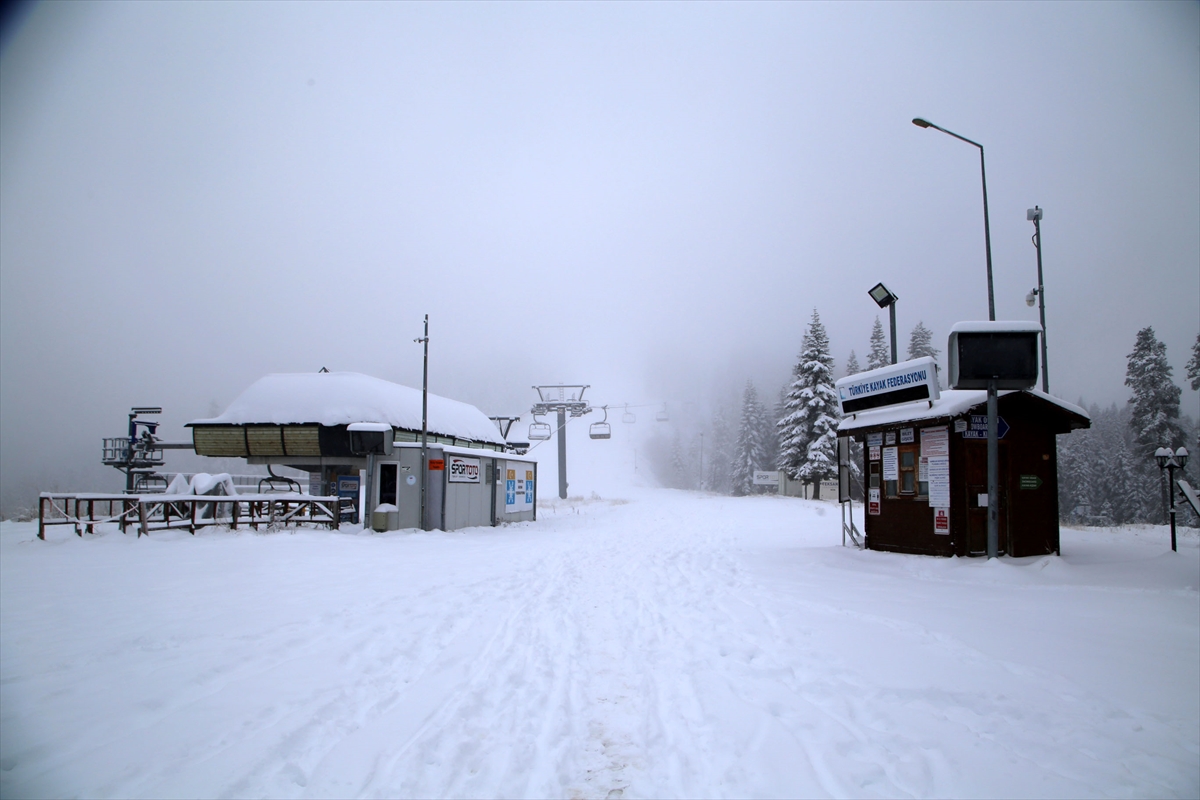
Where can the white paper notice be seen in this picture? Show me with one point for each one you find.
(939, 481)
(891, 464)
(935, 441)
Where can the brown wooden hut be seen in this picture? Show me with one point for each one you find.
(925, 469)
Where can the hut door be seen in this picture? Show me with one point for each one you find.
(976, 458)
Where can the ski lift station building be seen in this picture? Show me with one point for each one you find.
(342, 426)
(925, 464)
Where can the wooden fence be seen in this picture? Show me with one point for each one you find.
(162, 512)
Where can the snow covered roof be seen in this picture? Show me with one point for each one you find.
(343, 398)
(996, 326)
(951, 403)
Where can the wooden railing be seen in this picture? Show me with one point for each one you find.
(162, 511)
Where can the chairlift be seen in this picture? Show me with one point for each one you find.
(601, 429)
(663, 416)
(278, 484)
(539, 431)
(628, 417)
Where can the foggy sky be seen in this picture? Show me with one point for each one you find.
(649, 198)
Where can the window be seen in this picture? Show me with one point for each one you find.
(908, 470)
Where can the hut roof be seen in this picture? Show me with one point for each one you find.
(343, 398)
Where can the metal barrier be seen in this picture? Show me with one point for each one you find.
(163, 512)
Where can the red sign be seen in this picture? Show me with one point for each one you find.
(941, 520)
(873, 502)
(436, 465)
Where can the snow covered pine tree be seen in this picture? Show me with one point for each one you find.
(808, 434)
(1155, 402)
(879, 355)
(749, 451)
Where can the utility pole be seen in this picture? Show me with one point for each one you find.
(561, 399)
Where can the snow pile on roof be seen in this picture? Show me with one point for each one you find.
(951, 403)
(343, 398)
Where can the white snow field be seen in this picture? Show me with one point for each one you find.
(670, 644)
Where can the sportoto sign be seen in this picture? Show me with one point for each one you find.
(463, 470)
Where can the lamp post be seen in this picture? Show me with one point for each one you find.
(1034, 215)
(424, 340)
(885, 298)
(987, 232)
(993, 441)
(1169, 461)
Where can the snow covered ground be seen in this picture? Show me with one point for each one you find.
(668, 644)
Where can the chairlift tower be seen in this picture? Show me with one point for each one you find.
(561, 399)
(139, 455)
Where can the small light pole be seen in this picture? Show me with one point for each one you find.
(1034, 215)
(1170, 461)
(424, 340)
(884, 298)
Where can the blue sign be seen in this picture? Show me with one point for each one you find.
(977, 427)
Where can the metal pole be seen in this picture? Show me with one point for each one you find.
(702, 462)
(424, 430)
(892, 314)
(562, 453)
(987, 239)
(993, 469)
(1171, 480)
(1037, 240)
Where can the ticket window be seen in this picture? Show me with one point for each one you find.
(910, 483)
(387, 484)
(874, 475)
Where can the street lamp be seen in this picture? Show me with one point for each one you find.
(1170, 461)
(884, 298)
(1034, 215)
(993, 441)
(987, 233)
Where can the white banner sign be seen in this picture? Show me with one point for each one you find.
(763, 478)
(905, 382)
(462, 470)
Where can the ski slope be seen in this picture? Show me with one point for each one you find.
(667, 644)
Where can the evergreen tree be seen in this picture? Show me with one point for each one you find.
(852, 367)
(1155, 401)
(920, 343)
(808, 434)
(879, 355)
(1193, 365)
(748, 452)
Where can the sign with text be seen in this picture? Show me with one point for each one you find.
(906, 382)
(977, 427)
(935, 456)
(766, 478)
(463, 470)
(941, 521)
(891, 463)
(873, 502)
(518, 487)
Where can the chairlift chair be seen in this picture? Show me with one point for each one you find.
(663, 416)
(539, 431)
(628, 417)
(601, 430)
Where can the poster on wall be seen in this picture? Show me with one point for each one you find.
(891, 463)
(941, 521)
(935, 457)
(462, 470)
(518, 487)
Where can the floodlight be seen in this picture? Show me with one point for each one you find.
(882, 296)
(1034, 214)
(1163, 456)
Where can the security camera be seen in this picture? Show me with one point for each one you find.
(1031, 298)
